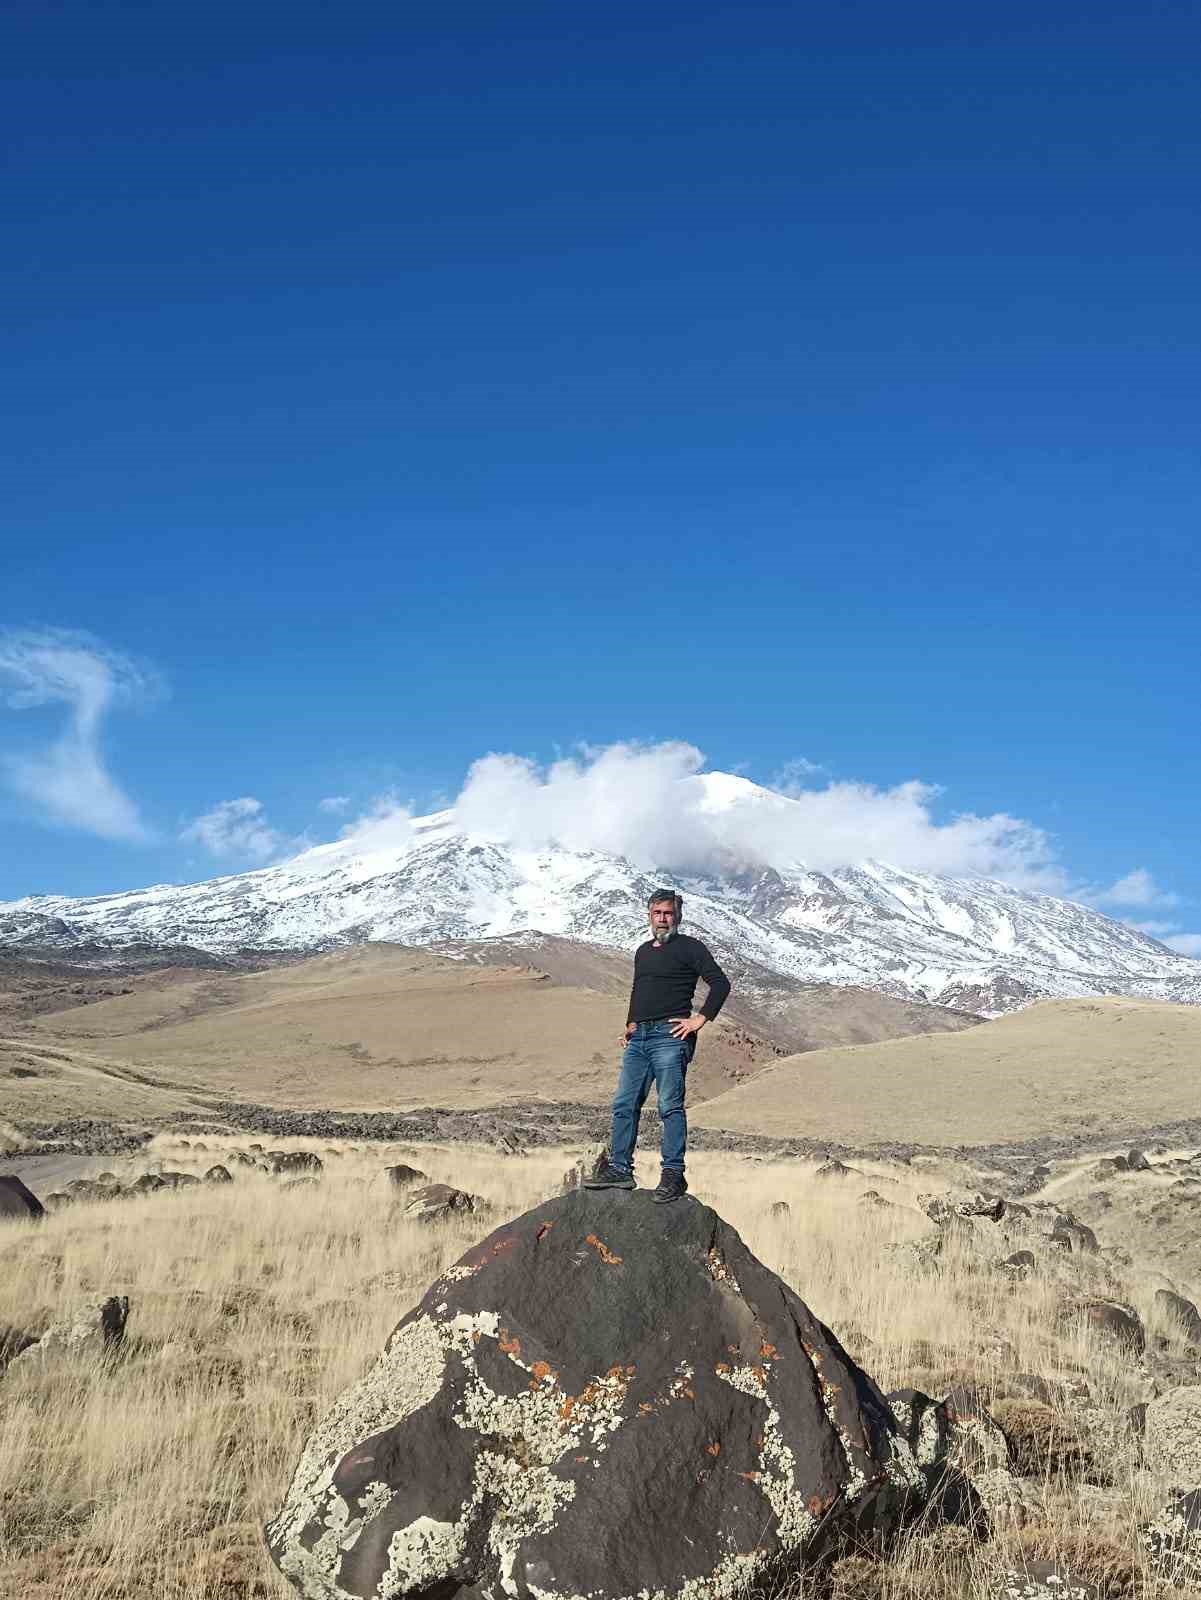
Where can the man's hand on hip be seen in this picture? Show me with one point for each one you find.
(685, 1027)
(629, 1033)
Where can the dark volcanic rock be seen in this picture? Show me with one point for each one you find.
(291, 1163)
(1110, 1318)
(218, 1175)
(604, 1397)
(1074, 1237)
(1137, 1161)
(17, 1203)
(837, 1169)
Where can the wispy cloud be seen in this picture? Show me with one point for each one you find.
(1136, 889)
(334, 803)
(238, 830)
(66, 782)
(1184, 944)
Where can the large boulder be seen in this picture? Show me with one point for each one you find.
(604, 1397)
(17, 1203)
(1110, 1320)
(1183, 1312)
(289, 1163)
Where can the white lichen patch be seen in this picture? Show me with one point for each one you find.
(407, 1376)
(420, 1555)
(776, 1465)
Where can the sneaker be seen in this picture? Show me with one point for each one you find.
(672, 1186)
(607, 1176)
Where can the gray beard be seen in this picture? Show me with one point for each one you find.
(662, 935)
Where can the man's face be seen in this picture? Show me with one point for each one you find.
(662, 920)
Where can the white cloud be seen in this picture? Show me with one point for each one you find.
(334, 803)
(1155, 929)
(629, 800)
(794, 775)
(1137, 888)
(66, 781)
(387, 825)
(237, 829)
(1185, 944)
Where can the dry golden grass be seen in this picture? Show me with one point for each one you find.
(1093, 1069)
(252, 1306)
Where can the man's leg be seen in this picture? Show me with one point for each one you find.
(670, 1058)
(633, 1086)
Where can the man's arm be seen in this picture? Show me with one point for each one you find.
(719, 990)
(719, 984)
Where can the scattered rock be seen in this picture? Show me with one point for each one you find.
(1137, 1161)
(779, 1209)
(1019, 1261)
(1074, 1237)
(585, 1167)
(944, 1208)
(286, 1163)
(1172, 1436)
(1045, 1580)
(96, 1328)
(436, 1202)
(177, 1180)
(509, 1145)
(1182, 1311)
(873, 1199)
(17, 1203)
(148, 1183)
(401, 1176)
(240, 1158)
(218, 1175)
(836, 1169)
(584, 1357)
(1172, 1541)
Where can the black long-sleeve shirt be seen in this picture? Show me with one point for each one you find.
(665, 980)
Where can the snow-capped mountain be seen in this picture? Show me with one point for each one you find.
(972, 943)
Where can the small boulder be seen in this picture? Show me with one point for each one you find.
(508, 1144)
(780, 1209)
(402, 1176)
(239, 1158)
(1019, 1261)
(874, 1200)
(148, 1183)
(17, 1203)
(1047, 1580)
(178, 1180)
(1042, 1442)
(1111, 1319)
(437, 1202)
(1137, 1161)
(96, 1328)
(836, 1169)
(1074, 1237)
(1182, 1311)
(218, 1175)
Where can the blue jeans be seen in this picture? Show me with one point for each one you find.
(652, 1055)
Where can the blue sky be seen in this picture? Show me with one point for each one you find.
(391, 385)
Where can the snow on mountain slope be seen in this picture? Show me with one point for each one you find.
(972, 943)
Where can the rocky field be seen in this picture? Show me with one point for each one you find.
(177, 1327)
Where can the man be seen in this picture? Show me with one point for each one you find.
(660, 1038)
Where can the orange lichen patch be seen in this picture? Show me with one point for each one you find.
(510, 1346)
(475, 1336)
(582, 1458)
(816, 1505)
(760, 1376)
(645, 1409)
(713, 1449)
(603, 1251)
(751, 1477)
(689, 1393)
(733, 1349)
(543, 1231)
(541, 1370)
(768, 1351)
(568, 1406)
